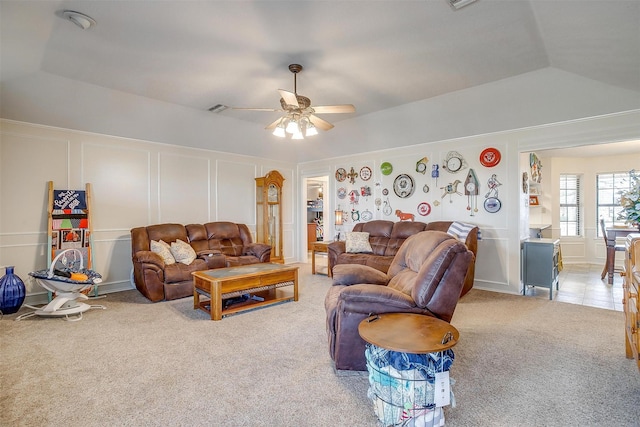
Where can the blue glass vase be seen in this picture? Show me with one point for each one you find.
(12, 292)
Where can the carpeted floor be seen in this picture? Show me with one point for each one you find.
(520, 362)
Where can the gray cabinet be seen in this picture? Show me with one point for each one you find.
(540, 258)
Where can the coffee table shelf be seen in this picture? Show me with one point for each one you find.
(262, 281)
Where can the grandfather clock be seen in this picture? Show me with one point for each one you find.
(269, 213)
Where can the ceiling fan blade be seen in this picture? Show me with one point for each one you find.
(289, 97)
(274, 123)
(328, 109)
(256, 109)
(319, 123)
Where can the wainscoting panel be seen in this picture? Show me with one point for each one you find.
(120, 183)
(184, 183)
(236, 192)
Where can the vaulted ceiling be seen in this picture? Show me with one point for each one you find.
(376, 55)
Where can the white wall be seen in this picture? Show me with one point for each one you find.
(134, 183)
(498, 263)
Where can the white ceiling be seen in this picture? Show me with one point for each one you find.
(376, 55)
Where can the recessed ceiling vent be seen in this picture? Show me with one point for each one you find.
(457, 4)
(218, 108)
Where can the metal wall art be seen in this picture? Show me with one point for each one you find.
(404, 216)
(451, 189)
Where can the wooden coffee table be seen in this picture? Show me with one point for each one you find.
(262, 281)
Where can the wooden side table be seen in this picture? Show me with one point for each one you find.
(318, 247)
(399, 395)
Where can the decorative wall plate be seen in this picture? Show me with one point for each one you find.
(365, 173)
(386, 168)
(492, 204)
(403, 186)
(490, 157)
(341, 174)
(342, 193)
(424, 208)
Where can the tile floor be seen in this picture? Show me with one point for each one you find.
(579, 284)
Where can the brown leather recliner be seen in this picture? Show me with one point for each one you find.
(386, 238)
(425, 277)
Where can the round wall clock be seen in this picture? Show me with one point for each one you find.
(403, 186)
(454, 162)
(365, 173)
(366, 215)
(421, 165)
(341, 174)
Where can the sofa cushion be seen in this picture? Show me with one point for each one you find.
(183, 252)
(358, 242)
(163, 249)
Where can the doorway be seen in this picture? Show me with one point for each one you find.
(315, 212)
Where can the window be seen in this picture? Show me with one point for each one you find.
(569, 205)
(609, 186)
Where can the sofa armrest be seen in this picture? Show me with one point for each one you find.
(148, 274)
(368, 298)
(262, 251)
(352, 274)
(213, 257)
(334, 249)
(148, 257)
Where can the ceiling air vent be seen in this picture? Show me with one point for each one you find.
(457, 4)
(218, 108)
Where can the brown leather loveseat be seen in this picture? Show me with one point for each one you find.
(386, 238)
(425, 277)
(216, 244)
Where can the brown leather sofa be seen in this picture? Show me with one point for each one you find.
(425, 277)
(217, 245)
(386, 238)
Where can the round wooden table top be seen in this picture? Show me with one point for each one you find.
(408, 332)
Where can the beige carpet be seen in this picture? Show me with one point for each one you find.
(520, 362)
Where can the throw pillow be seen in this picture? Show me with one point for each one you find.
(358, 242)
(183, 252)
(163, 249)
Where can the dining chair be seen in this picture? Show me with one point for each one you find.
(612, 248)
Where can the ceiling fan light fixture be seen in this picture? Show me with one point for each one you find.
(293, 127)
(279, 131)
(297, 135)
(311, 129)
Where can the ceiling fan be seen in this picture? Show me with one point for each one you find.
(299, 119)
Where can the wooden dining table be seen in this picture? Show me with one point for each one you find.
(612, 234)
